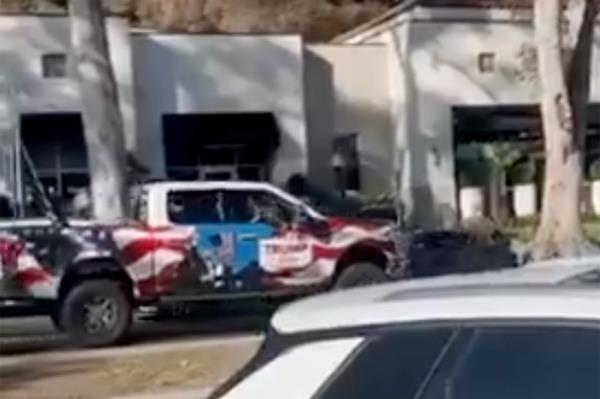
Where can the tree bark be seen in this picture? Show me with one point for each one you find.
(565, 95)
(103, 125)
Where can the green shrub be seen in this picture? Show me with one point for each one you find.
(522, 172)
(473, 172)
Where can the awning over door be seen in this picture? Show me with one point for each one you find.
(504, 122)
(186, 136)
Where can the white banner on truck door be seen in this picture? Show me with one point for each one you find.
(283, 254)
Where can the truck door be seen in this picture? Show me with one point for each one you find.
(229, 225)
(244, 221)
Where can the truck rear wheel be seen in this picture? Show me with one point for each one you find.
(96, 313)
(359, 275)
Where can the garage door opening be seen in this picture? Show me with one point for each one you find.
(237, 146)
(500, 150)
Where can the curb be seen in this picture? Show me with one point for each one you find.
(198, 393)
(98, 354)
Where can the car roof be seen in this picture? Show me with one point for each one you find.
(566, 289)
(211, 185)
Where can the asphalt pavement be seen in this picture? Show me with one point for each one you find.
(31, 335)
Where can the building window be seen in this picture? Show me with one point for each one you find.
(55, 146)
(486, 62)
(54, 65)
(346, 163)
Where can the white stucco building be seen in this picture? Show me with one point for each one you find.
(455, 75)
(401, 93)
(194, 106)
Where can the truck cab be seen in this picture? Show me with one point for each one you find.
(256, 238)
(186, 241)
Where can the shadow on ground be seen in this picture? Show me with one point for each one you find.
(28, 336)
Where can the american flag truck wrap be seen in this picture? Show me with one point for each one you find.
(186, 240)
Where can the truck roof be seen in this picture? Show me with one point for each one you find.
(164, 187)
(210, 185)
(565, 289)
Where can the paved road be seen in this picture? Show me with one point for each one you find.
(36, 334)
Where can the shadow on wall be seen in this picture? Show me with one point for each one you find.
(213, 74)
(375, 142)
(35, 93)
(431, 93)
(319, 98)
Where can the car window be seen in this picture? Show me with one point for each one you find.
(297, 373)
(523, 363)
(249, 206)
(394, 365)
(195, 207)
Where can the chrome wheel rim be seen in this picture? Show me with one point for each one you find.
(100, 314)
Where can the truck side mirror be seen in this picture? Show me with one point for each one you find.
(301, 217)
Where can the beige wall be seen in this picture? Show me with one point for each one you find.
(361, 105)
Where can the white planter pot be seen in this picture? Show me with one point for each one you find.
(525, 200)
(595, 193)
(471, 202)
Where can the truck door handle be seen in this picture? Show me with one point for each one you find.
(247, 237)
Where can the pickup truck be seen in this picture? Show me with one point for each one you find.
(186, 241)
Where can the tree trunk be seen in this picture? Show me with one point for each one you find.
(102, 118)
(564, 117)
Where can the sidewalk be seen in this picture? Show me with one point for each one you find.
(72, 355)
(173, 370)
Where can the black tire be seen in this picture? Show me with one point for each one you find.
(360, 275)
(96, 313)
(55, 318)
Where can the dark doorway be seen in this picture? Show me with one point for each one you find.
(236, 146)
(56, 147)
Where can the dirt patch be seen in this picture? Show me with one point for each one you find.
(136, 374)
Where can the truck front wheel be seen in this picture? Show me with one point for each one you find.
(96, 313)
(359, 275)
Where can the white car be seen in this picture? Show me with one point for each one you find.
(520, 334)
